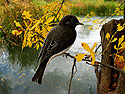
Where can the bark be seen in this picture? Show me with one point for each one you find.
(105, 76)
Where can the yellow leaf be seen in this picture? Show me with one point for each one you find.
(123, 45)
(120, 40)
(0, 26)
(79, 57)
(22, 75)
(49, 28)
(25, 23)
(37, 47)
(115, 47)
(30, 43)
(18, 24)
(41, 39)
(24, 43)
(94, 21)
(124, 68)
(93, 58)
(78, 18)
(86, 47)
(41, 44)
(114, 39)
(27, 15)
(37, 29)
(90, 28)
(78, 79)
(84, 19)
(107, 36)
(94, 46)
(15, 0)
(35, 25)
(16, 32)
(33, 39)
(44, 32)
(119, 27)
(92, 13)
(50, 19)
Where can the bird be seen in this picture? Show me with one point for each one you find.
(59, 39)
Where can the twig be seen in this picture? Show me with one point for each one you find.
(72, 75)
(98, 47)
(58, 10)
(96, 67)
(99, 64)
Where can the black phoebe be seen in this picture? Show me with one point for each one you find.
(58, 41)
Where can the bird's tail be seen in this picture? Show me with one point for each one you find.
(39, 73)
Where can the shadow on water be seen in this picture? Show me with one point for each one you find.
(24, 58)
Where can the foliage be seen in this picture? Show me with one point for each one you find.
(35, 31)
(24, 22)
(79, 57)
(9, 13)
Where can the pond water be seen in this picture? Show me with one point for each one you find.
(17, 68)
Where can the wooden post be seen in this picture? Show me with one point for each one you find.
(105, 76)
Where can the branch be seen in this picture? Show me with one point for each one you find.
(58, 10)
(72, 74)
(98, 47)
(98, 63)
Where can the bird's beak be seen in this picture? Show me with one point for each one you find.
(79, 24)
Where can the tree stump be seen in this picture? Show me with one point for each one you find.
(106, 78)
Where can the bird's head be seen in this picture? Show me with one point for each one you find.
(70, 20)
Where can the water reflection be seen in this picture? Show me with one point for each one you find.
(5, 87)
(17, 68)
(22, 59)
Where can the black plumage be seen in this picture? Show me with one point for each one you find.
(59, 39)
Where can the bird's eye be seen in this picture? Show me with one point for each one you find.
(72, 21)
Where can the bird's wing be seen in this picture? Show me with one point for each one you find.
(54, 47)
(56, 41)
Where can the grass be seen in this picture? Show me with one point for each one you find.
(83, 7)
(13, 11)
